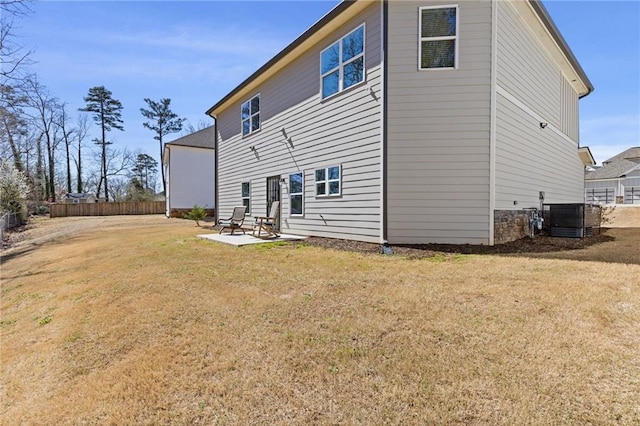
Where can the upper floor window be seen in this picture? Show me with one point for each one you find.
(251, 115)
(342, 63)
(328, 181)
(438, 37)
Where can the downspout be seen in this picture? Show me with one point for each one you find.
(216, 215)
(493, 124)
(385, 43)
(167, 194)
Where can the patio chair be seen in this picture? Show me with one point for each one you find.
(267, 224)
(235, 221)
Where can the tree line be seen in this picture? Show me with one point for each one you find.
(52, 149)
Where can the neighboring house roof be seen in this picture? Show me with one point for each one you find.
(201, 139)
(319, 29)
(78, 196)
(631, 154)
(617, 166)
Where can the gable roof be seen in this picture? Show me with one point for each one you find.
(201, 139)
(562, 44)
(631, 154)
(343, 11)
(293, 50)
(617, 166)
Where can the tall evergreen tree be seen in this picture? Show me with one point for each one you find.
(144, 170)
(164, 121)
(107, 113)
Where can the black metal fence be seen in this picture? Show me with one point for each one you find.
(632, 195)
(600, 195)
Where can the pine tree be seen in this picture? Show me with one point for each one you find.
(164, 122)
(106, 112)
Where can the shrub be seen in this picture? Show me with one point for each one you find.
(606, 215)
(13, 190)
(197, 213)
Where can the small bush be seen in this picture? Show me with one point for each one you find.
(197, 213)
(606, 215)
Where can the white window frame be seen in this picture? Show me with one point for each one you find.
(341, 65)
(327, 182)
(247, 198)
(251, 115)
(455, 38)
(291, 194)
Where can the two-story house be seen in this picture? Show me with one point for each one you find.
(408, 122)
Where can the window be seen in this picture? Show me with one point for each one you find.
(438, 37)
(296, 186)
(328, 181)
(251, 115)
(342, 64)
(246, 195)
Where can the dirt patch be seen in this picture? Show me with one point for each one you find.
(539, 244)
(42, 230)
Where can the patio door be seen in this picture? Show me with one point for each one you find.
(273, 194)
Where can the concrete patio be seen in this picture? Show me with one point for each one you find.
(240, 239)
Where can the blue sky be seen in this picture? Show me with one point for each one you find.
(196, 52)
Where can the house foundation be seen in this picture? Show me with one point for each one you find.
(179, 213)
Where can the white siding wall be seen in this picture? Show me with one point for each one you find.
(343, 130)
(531, 90)
(191, 177)
(438, 131)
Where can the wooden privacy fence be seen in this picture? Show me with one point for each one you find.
(107, 209)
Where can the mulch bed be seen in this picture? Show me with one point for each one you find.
(539, 244)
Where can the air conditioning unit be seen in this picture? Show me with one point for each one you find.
(567, 220)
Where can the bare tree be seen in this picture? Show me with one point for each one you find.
(12, 55)
(45, 114)
(188, 127)
(118, 164)
(67, 137)
(12, 122)
(82, 130)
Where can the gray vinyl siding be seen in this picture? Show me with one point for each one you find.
(569, 111)
(531, 90)
(530, 159)
(524, 68)
(343, 130)
(438, 132)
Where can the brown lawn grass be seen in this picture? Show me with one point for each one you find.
(135, 321)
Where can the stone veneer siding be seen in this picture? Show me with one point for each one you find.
(510, 225)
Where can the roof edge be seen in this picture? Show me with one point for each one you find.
(544, 15)
(341, 7)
